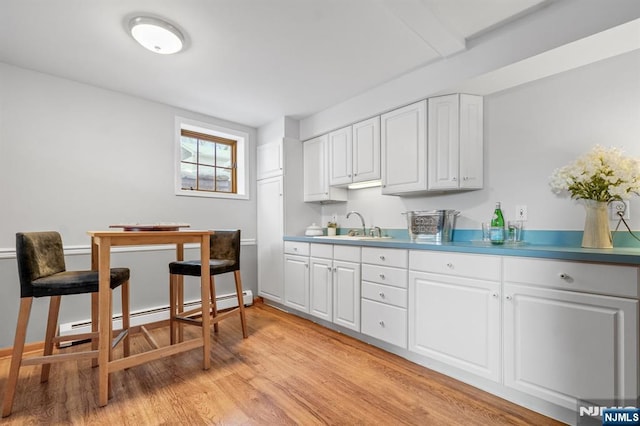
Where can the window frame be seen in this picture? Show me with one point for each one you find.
(241, 168)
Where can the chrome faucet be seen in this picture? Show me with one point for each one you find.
(364, 229)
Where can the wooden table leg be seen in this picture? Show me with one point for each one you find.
(204, 290)
(104, 322)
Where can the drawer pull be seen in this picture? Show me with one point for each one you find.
(381, 323)
(382, 258)
(381, 295)
(382, 277)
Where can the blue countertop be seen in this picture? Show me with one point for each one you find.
(571, 250)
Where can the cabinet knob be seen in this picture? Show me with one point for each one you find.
(450, 265)
(381, 323)
(454, 179)
(335, 269)
(565, 276)
(295, 249)
(329, 268)
(382, 258)
(349, 175)
(382, 277)
(509, 298)
(306, 265)
(495, 294)
(381, 295)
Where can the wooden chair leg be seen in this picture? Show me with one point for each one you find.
(52, 326)
(16, 355)
(214, 304)
(180, 294)
(172, 308)
(243, 319)
(94, 326)
(126, 311)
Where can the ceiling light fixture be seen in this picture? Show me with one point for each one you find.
(156, 35)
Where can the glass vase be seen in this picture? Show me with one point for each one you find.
(596, 225)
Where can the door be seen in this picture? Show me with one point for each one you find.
(471, 142)
(346, 289)
(269, 160)
(443, 142)
(321, 288)
(270, 224)
(316, 182)
(404, 149)
(561, 346)
(296, 282)
(457, 321)
(340, 157)
(366, 150)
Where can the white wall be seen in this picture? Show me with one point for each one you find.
(529, 131)
(75, 158)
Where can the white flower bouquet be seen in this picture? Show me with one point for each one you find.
(600, 175)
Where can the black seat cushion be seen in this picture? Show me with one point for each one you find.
(75, 282)
(192, 267)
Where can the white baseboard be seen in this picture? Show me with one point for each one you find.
(146, 316)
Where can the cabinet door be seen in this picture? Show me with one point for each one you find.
(346, 299)
(471, 142)
(269, 160)
(404, 149)
(340, 160)
(270, 226)
(315, 155)
(443, 142)
(561, 345)
(321, 288)
(366, 150)
(456, 321)
(296, 282)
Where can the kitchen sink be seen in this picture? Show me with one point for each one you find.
(351, 237)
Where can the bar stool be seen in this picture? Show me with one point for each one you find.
(42, 271)
(224, 258)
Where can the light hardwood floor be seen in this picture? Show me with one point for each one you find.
(289, 371)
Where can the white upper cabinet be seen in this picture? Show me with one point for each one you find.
(404, 149)
(366, 150)
(316, 172)
(270, 160)
(340, 157)
(354, 153)
(455, 142)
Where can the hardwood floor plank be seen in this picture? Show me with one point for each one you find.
(289, 371)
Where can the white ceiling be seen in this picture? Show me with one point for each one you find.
(249, 61)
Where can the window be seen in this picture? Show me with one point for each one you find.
(210, 160)
(208, 163)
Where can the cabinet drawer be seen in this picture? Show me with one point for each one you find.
(385, 294)
(384, 275)
(384, 322)
(476, 266)
(322, 250)
(384, 257)
(295, 247)
(346, 253)
(615, 280)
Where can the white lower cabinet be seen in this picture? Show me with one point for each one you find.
(334, 284)
(562, 345)
(452, 318)
(384, 295)
(296, 275)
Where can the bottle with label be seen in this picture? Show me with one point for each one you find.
(497, 226)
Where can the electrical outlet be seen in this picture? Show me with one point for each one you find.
(521, 212)
(619, 207)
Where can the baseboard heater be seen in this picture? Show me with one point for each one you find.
(146, 316)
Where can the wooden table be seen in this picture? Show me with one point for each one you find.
(101, 243)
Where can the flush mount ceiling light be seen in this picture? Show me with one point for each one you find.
(156, 35)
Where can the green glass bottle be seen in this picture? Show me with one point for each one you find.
(497, 226)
